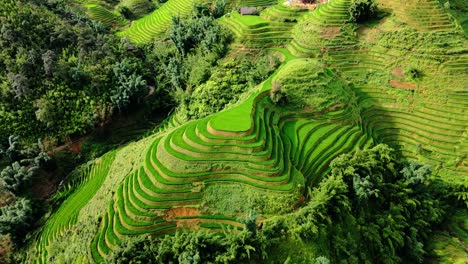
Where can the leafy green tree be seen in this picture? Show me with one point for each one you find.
(49, 59)
(130, 86)
(125, 12)
(363, 187)
(277, 94)
(218, 8)
(250, 222)
(415, 173)
(193, 247)
(12, 151)
(19, 85)
(201, 10)
(16, 176)
(46, 112)
(175, 70)
(15, 218)
(322, 260)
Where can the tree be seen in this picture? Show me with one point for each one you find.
(49, 61)
(19, 85)
(362, 10)
(16, 176)
(130, 86)
(125, 12)
(322, 260)
(218, 8)
(250, 222)
(277, 94)
(363, 187)
(46, 112)
(201, 10)
(415, 173)
(175, 71)
(12, 151)
(14, 219)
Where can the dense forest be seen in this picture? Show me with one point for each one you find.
(249, 131)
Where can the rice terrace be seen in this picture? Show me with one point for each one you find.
(234, 131)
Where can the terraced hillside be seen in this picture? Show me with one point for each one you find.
(270, 149)
(83, 186)
(271, 29)
(323, 29)
(252, 3)
(404, 83)
(156, 23)
(424, 116)
(425, 15)
(109, 18)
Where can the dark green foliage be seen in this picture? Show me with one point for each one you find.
(362, 10)
(196, 247)
(199, 31)
(201, 10)
(413, 73)
(11, 152)
(24, 163)
(15, 219)
(250, 222)
(199, 42)
(15, 176)
(175, 71)
(372, 212)
(126, 12)
(277, 94)
(130, 86)
(227, 82)
(57, 71)
(218, 8)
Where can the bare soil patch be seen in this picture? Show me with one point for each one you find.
(398, 72)
(331, 32)
(404, 85)
(174, 213)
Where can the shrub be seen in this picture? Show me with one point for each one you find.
(125, 12)
(277, 94)
(362, 10)
(413, 73)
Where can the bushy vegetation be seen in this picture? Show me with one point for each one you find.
(308, 84)
(132, 9)
(227, 83)
(197, 247)
(18, 207)
(66, 83)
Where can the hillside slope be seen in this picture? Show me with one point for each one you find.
(398, 80)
